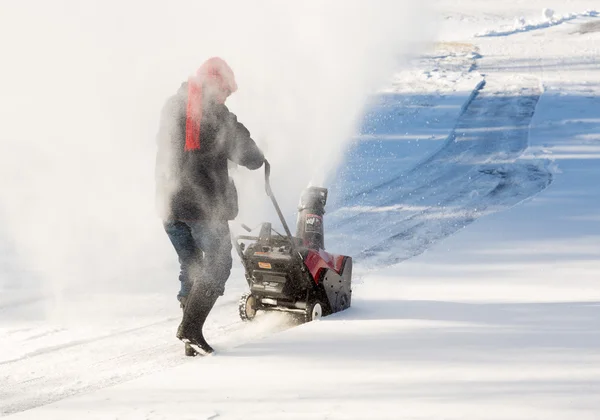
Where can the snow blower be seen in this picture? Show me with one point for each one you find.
(294, 273)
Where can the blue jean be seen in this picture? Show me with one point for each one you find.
(204, 251)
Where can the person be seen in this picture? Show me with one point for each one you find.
(196, 198)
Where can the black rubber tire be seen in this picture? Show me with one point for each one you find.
(247, 307)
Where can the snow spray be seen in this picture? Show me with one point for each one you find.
(77, 148)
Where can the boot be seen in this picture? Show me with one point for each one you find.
(195, 312)
(189, 350)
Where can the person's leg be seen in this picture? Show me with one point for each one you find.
(189, 255)
(213, 238)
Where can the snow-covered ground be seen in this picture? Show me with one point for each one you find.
(478, 169)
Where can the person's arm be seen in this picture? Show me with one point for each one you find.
(170, 135)
(241, 148)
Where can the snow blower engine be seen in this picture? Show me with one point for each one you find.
(294, 273)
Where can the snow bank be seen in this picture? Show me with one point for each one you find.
(549, 19)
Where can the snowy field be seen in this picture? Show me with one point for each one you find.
(469, 199)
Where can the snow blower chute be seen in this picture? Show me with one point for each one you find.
(294, 273)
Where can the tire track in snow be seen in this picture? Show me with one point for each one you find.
(477, 172)
(58, 347)
(55, 372)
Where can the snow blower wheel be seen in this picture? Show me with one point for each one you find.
(313, 311)
(247, 307)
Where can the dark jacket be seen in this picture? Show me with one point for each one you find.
(195, 185)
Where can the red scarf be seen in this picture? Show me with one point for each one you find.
(216, 75)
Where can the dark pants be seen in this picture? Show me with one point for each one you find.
(204, 250)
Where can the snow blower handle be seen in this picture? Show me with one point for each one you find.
(269, 192)
(268, 178)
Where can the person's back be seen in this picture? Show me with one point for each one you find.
(194, 183)
(196, 197)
